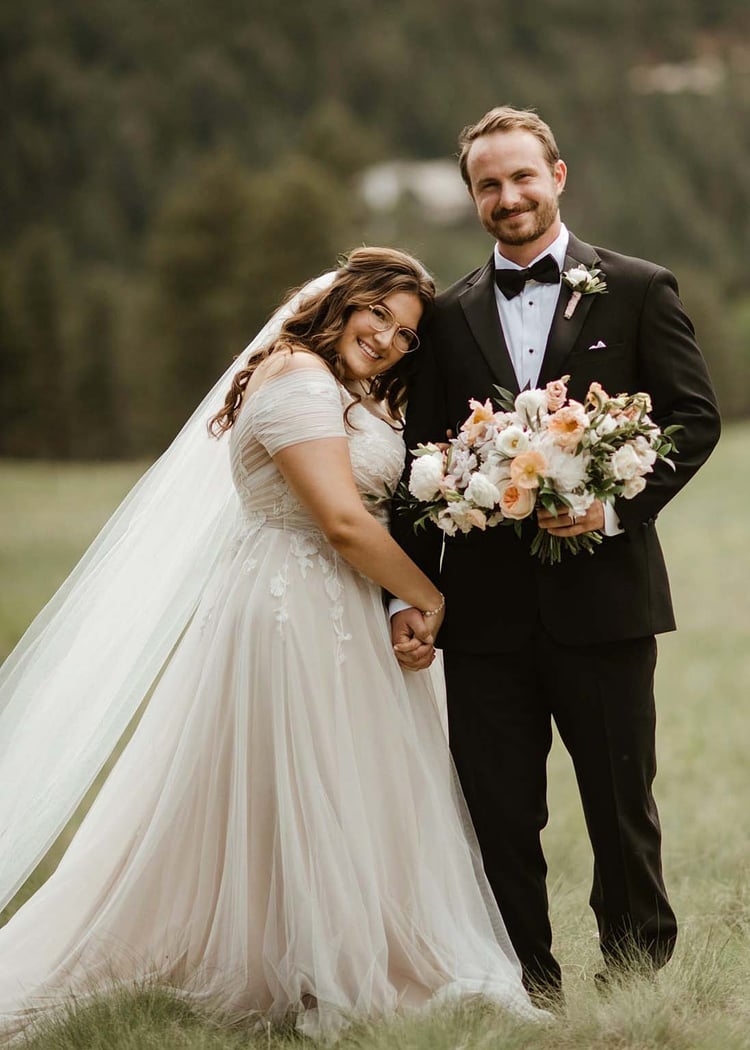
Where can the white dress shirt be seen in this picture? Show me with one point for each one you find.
(527, 318)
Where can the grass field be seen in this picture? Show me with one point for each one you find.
(702, 1000)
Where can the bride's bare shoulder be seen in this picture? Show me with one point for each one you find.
(285, 358)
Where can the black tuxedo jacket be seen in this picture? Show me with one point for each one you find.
(495, 590)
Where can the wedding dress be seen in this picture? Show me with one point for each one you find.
(283, 834)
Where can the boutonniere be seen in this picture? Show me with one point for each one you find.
(583, 280)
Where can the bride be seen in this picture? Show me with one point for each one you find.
(282, 835)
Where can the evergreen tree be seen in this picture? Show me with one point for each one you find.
(34, 387)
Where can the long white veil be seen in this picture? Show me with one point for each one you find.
(77, 677)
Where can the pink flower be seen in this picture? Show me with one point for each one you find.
(475, 426)
(567, 425)
(477, 517)
(637, 405)
(517, 502)
(461, 515)
(526, 468)
(557, 391)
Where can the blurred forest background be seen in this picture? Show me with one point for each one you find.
(170, 168)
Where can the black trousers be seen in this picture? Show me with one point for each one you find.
(500, 711)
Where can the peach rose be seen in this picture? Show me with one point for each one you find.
(526, 468)
(517, 502)
(566, 426)
(557, 392)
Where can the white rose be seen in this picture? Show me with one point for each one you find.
(606, 425)
(578, 275)
(496, 468)
(531, 405)
(512, 440)
(625, 463)
(580, 503)
(482, 492)
(645, 454)
(426, 475)
(566, 471)
(632, 487)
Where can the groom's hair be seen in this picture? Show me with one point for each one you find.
(506, 118)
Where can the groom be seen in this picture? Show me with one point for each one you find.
(526, 643)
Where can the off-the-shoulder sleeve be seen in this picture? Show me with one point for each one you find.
(300, 405)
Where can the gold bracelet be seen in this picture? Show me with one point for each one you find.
(434, 612)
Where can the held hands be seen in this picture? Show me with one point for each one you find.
(413, 638)
(565, 524)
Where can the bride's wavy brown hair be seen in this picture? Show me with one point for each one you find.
(366, 276)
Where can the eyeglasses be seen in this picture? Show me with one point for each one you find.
(382, 320)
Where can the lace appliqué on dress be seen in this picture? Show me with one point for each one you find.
(334, 590)
(309, 552)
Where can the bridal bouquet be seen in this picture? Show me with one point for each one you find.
(542, 449)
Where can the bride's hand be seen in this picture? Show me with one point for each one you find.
(413, 636)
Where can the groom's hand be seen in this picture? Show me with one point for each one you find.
(564, 524)
(412, 640)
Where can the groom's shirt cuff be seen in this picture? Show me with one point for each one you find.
(612, 526)
(397, 605)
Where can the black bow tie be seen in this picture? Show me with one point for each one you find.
(511, 282)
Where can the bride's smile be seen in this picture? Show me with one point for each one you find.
(376, 337)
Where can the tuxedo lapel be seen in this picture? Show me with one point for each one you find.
(563, 333)
(480, 309)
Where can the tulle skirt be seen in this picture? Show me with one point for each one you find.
(283, 834)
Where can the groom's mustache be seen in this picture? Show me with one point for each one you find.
(508, 213)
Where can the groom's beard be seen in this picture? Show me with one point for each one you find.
(542, 214)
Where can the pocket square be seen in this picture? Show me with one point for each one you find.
(598, 345)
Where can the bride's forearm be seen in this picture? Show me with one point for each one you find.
(320, 474)
(370, 549)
